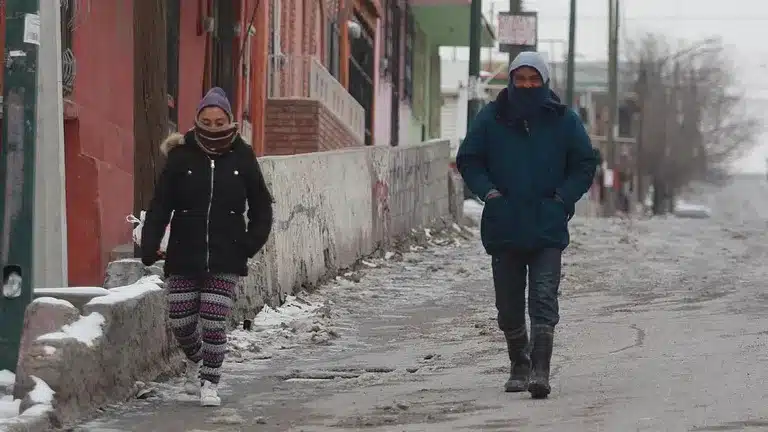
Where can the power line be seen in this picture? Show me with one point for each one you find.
(744, 18)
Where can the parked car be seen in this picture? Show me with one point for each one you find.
(693, 211)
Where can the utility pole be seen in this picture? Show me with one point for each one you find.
(150, 97)
(515, 6)
(474, 100)
(571, 63)
(641, 92)
(613, 102)
(17, 172)
(50, 234)
(490, 66)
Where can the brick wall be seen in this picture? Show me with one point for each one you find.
(295, 126)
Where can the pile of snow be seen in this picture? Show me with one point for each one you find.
(303, 319)
(85, 330)
(9, 407)
(128, 292)
(41, 399)
(53, 301)
(7, 379)
(317, 318)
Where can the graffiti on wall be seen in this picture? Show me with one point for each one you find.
(381, 210)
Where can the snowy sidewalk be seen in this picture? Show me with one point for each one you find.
(664, 328)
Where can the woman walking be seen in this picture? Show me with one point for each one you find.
(209, 177)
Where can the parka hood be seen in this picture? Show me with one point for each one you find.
(170, 142)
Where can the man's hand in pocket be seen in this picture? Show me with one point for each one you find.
(493, 193)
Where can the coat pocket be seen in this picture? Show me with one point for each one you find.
(553, 221)
(234, 229)
(500, 223)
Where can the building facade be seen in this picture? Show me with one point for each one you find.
(302, 76)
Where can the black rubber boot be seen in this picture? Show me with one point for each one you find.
(541, 356)
(520, 364)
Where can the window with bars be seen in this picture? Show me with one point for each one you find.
(361, 66)
(408, 55)
(390, 9)
(274, 27)
(67, 56)
(332, 48)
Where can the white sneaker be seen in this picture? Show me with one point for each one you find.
(209, 395)
(192, 378)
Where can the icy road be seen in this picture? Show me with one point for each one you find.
(664, 328)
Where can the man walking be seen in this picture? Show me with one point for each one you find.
(531, 160)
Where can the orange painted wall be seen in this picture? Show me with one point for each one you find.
(99, 142)
(191, 65)
(99, 126)
(258, 78)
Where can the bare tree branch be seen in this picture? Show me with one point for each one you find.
(694, 120)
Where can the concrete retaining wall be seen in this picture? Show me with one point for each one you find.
(332, 208)
(93, 357)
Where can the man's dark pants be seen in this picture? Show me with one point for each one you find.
(541, 270)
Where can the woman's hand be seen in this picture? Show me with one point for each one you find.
(148, 261)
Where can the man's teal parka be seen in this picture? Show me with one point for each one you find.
(541, 167)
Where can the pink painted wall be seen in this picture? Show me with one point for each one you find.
(382, 126)
(382, 119)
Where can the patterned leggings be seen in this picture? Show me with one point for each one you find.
(207, 300)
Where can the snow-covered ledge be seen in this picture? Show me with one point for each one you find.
(93, 359)
(78, 296)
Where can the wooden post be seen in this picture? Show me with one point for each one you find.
(259, 60)
(150, 104)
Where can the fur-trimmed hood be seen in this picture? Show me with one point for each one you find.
(177, 139)
(170, 142)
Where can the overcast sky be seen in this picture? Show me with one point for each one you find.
(743, 25)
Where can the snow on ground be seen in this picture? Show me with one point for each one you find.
(9, 407)
(41, 398)
(7, 378)
(303, 318)
(323, 317)
(85, 330)
(318, 318)
(649, 307)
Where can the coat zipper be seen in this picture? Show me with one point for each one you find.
(208, 222)
(527, 129)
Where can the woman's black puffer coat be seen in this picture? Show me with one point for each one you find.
(208, 197)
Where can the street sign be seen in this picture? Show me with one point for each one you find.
(517, 31)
